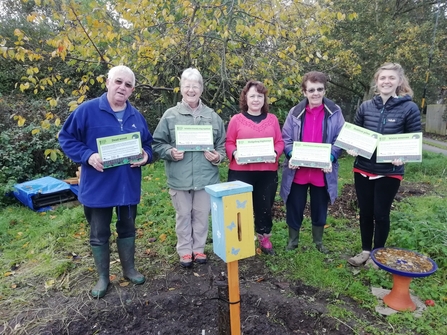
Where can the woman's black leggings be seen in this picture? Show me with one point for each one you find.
(265, 184)
(375, 197)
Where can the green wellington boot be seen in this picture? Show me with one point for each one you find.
(126, 251)
(294, 236)
(101, 255)
(317, 234)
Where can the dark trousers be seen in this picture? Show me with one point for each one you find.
(375, 198)
(100, 219)
(296, 203)
(264, 185)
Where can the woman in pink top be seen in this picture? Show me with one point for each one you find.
(319, 120)
(255, 121)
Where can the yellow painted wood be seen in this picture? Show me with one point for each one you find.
(238, 226)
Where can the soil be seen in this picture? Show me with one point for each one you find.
(186, 301)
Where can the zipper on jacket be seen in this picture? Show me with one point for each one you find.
(382, 124)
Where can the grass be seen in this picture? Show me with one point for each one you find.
(45, 251)
(437, 145)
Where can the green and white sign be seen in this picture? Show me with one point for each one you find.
(256, 150)
(313, 155)
(362, 140)
(406, 147)
(120, 149)
(194, 137)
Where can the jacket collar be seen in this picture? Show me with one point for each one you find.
(391, 102)
(188, 107)
(329, 106)
(105, 106)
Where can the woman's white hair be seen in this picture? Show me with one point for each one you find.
(192, 74)
(116, 70)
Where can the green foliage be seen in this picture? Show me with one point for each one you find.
(23, 158)
(432, 165)
(423, 230)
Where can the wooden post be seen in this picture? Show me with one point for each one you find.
(223, 308)
(234, 297)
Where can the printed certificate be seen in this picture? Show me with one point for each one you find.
(406, 147)
(256, 150)
(362, 140)
(120, 149)
(194, 137)
(314, 155)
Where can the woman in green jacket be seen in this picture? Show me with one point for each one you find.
(188, 172)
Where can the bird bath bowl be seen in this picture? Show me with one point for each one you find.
(404, 265)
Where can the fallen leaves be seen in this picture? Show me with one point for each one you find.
(139, 233)
(49, 284)
(80, 233)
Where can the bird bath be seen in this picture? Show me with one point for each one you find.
(404, 265)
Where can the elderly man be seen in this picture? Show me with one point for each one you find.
(104, 188)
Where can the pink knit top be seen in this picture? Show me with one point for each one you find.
(312, 132)
(241, 127)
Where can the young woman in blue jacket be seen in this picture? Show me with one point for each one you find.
(390, 111)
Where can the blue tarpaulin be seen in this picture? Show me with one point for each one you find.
(40, 194)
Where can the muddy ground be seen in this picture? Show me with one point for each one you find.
(185, 301)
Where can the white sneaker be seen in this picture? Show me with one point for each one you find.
(360, 259)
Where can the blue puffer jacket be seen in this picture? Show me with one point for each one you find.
(397, 116)
(117, 186)
(333, 122)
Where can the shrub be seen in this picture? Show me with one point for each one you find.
(22, 157)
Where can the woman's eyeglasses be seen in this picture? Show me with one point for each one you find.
(312, 90)
(188, 87)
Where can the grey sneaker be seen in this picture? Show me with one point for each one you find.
(359, 260)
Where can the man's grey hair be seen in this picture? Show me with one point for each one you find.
(116, 70)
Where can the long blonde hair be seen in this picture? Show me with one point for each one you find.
(401, 90)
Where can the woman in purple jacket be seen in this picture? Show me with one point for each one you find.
(319, 120)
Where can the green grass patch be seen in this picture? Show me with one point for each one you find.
(435, 144)
(45, 251)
